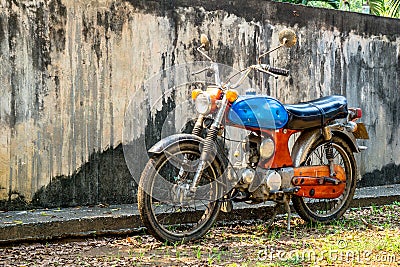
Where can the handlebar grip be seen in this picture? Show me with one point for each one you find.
(279, 71)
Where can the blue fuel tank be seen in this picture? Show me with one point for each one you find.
(258, 111)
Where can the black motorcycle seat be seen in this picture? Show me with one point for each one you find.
(316, 113)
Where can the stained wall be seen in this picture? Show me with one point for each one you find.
(69, 69)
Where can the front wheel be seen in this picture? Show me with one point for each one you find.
(166, 210)
(325, 210)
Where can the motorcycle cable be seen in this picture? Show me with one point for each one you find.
(233, 190)
(232, 140)
(241, 79)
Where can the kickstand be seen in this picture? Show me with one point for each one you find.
(271, 221)
(286, 204)
(286, 201)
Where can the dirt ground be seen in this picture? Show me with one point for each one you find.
(365, 236)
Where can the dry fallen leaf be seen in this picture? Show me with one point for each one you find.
(371, 226)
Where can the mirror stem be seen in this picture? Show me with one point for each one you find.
(202, 52)
(270, 51)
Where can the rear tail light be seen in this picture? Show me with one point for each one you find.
(355, 114)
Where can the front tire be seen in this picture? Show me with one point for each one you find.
(171, 218)
(326, 210)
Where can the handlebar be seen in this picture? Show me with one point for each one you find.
(260, 67)
(202, 70)
(214, 69)
(279, 71)
(274, 70)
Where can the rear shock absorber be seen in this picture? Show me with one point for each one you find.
(329, 156)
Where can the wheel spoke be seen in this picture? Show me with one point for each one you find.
(327, 207)
(183, 216)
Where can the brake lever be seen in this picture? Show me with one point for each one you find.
(248, 70)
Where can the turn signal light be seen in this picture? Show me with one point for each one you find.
(195, 93)
(231, 95)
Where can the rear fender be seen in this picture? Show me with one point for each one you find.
(307, 138)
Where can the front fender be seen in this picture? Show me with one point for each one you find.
(169, 141)
(163, 144)
(308, 138)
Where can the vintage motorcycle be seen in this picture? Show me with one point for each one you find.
(189, 177)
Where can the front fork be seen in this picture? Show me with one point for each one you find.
(208, 153)
(197, 130)
(198, 126)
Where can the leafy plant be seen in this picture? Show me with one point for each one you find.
(198, 253)
(333, 3)
(387, 8)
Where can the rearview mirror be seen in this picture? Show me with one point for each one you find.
(205, 43)
(287, 37)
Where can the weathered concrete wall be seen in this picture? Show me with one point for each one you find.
(69, 68)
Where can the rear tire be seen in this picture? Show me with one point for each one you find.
(166, 218)
(326, 210)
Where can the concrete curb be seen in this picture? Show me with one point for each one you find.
(22, 226)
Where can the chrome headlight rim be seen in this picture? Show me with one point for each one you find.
(203, 103)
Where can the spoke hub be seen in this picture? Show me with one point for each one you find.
(181, 193)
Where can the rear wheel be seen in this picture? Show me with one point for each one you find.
(165, 209)
(325, 210)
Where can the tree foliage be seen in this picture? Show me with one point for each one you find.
(387, 8)
(332, 3)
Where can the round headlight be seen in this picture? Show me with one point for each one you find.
(203, 103)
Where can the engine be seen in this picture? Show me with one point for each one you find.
(256, 183)
(251, 148)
